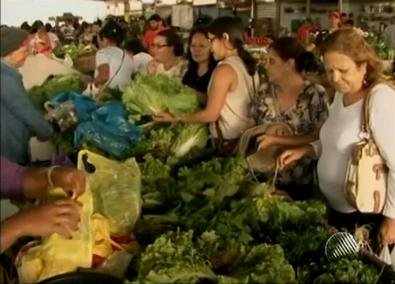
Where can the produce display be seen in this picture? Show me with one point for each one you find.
(204, 219)
(150, 95)
(53, 86)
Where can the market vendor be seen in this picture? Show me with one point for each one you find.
(168, 51)
(201, 63)
(19, 118)
(291, 98)
(354, 70)
(230, 89)
(62, 216)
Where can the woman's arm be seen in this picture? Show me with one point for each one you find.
(103, 75)
(382, 117)
(16, 99)
(224, 80)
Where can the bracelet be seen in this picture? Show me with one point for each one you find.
(49, 175)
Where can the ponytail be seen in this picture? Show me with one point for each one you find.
(248, 60)
(234, 28)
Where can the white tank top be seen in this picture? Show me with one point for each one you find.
(235, 115)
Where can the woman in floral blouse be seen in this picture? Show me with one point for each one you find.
(292, 99)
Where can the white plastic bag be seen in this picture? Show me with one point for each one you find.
(385, 256)
(91, 91)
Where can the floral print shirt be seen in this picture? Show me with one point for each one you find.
(306, 116)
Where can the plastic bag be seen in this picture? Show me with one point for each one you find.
(393, 258)
(385, 255)
(91, 91)
(116, 189)
(109, 130)
(83, 105)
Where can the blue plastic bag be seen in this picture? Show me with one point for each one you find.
(83, 105)
(108, 130)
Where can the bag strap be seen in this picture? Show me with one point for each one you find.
(365, 125)
(220, 137)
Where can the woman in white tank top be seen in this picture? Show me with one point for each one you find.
(231, 85)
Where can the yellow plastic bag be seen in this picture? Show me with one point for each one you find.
(56, 254)
(116, 189)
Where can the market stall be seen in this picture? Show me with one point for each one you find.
(161, 205)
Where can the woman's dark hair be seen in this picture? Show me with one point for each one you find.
(192, 65)
(234, 28)
(48, 27)
(291, 48)
(174, 40)
(135, 46)
(36, 25)
(156, 18)
(113, 32)
(84, 26)
(25, 26)
(98, 23)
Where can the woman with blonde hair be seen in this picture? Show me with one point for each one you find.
(354, 70)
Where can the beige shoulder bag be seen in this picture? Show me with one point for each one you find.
(366, 177)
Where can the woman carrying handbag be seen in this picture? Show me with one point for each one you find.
(354, 71)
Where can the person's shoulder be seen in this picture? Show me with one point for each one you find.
(383, 92)
(224, 69)
(144, 55)
(315, 89)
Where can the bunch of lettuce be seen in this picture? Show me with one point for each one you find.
(73, 50)
(344, 270)
(262, 263)
(173, 258)
(150, 95)
(53, 86)
(176, 141)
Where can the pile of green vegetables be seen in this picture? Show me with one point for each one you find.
(205, 219)
(211, 222)
(53, 86)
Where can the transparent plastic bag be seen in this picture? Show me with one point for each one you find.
(116, 189)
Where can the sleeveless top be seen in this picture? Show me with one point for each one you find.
(235, 115)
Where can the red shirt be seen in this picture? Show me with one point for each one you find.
(149, 36)
(304, 31)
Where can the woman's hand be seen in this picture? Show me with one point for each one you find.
(71, 180)
(60, 217)
(387, 231)
(267, 140)
(165, 117)
(292, 155)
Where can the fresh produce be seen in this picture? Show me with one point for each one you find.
(172, 142)
(53, 86)
(172, 258)
(150, 95)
